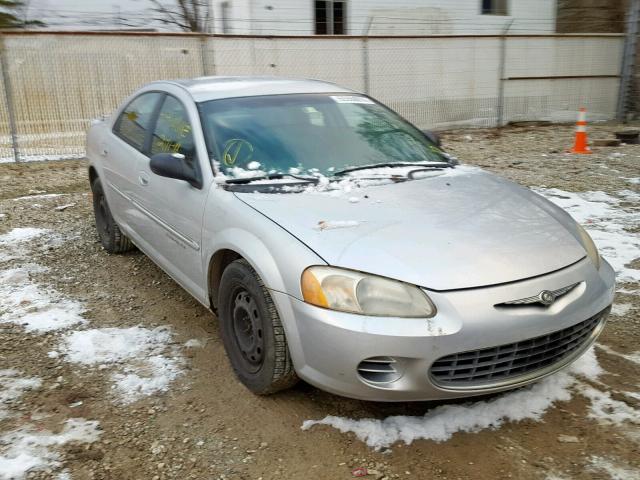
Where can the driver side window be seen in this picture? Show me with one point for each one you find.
(173, 132)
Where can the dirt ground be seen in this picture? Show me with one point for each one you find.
(208, 426)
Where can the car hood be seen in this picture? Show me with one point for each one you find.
(459, 229)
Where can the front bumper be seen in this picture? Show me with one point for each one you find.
(327, 346)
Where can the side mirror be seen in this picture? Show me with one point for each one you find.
(433, 137)
(174, 165)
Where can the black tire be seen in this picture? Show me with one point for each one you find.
(252, 333)
(111, 238)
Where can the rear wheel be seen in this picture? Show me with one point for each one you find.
(111, 238)
(252, 333)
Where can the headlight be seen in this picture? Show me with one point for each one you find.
(354, 292)
(590, 247)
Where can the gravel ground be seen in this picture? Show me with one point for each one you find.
(205, 425)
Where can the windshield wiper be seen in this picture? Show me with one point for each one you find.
(272, 176)
(422, 165)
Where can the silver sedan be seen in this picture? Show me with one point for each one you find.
(339, 244)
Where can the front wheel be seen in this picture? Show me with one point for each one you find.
(252, 333)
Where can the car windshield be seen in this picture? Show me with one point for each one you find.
(304, 134)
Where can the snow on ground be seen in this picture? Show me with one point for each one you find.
(136, 355)
(621, 309)
(25, 302)
(37, 308)
(606, 221)
(143, 360)
(605, 409)
(12, 387)
(42, 158)
(42, 196)
(29, 449)
(20, 235)
(631, 357)
(614, 469)
(440, 423)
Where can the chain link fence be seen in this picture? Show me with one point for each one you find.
(55, 83)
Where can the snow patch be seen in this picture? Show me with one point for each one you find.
(442, 422)
(36, 308)
(194, 343)
(43, 196)
(606, 221)
(21, 235)
(143, 378)
(631, 357)
(29, 449)
(621, 309)
(143, 362)
(12, 243)
(615, 470)
(605, 409)
(12, 387)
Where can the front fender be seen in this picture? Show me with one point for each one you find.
(276, 255)
(252, 249)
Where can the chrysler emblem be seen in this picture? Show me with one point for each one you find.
(546, 297)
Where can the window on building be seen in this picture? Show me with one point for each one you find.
(330, 17)
(494, 7)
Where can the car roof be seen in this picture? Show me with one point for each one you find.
(203, 89)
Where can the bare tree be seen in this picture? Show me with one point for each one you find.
(13, 14)
(188, 15)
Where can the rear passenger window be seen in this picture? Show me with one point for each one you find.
(134, 121)
(173, 133)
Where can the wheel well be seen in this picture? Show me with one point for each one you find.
(93, 174)
(220, 260)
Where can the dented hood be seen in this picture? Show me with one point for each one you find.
(459, 229)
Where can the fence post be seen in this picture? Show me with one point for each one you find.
(8, 97)
(203, 54)
(365, 56)
(628, 59)
(502, 70)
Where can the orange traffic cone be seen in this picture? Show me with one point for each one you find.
(580, 145)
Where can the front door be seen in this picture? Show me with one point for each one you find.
(173, 208)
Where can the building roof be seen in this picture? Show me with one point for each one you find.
(212, 88)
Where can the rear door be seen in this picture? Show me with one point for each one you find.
(174, 208)
(123, 151)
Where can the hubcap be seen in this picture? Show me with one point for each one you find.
(247, 330)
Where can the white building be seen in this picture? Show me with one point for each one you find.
(383, 17)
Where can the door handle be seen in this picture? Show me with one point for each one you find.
(103, 150)
(143, 179)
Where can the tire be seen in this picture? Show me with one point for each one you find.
(111, 237)
(252, 333)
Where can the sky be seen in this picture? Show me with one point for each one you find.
(79, 14)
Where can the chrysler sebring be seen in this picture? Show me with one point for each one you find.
(339, 244)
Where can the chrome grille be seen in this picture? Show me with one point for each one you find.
(513, 360)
